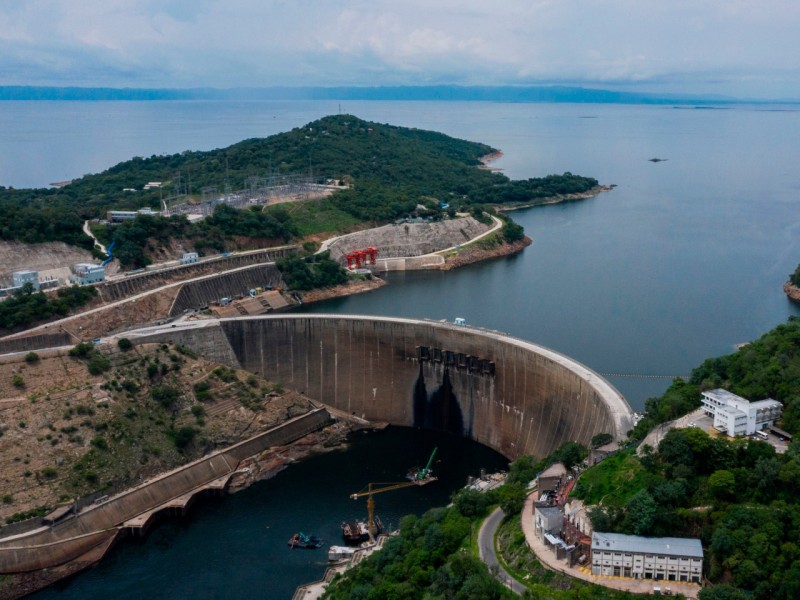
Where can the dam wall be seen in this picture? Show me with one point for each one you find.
(513, 396)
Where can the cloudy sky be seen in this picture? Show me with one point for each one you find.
(746, 48)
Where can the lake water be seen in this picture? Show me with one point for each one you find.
(684, 259)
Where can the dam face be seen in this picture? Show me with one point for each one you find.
(513, 396)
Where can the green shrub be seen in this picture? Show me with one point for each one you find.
(49, 473)
(183, 437)
(31, 358)
(165, 395)
(124, 344)
(17, 381)
(99, 442)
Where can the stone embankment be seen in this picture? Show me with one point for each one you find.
(400, 240)
(475, 253)
(792, 291)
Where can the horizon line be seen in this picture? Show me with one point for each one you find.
(438, 92)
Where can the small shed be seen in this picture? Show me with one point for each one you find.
(550, 479)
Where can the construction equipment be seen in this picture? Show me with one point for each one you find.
(423, 475)
(417, 477)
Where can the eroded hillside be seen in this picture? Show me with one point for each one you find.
(73, 425)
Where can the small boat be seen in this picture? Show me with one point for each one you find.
(307, 542)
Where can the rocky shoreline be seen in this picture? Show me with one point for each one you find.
(591, 193)
(792, 291)
(474, 253)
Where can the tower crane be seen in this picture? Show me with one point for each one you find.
(416, 477)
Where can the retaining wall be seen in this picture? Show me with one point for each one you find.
(55, 545)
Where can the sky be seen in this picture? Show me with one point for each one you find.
(739, 48)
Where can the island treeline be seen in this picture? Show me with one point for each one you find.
(391, 172)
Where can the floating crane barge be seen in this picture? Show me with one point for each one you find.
(356, 532)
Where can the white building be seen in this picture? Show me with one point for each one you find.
(189, 258)
(85, 273)
(20, 278)
(670, 559)
(733, 415)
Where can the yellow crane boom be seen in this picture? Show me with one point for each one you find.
(371, 489)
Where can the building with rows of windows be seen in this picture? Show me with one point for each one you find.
(734, 416)
(668, 559)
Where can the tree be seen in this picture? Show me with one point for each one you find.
(640, 513)
(601, 439)
(722, 484)
(511, 498)
(722, 592)
(570, 454)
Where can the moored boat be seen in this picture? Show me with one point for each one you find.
(306, 542)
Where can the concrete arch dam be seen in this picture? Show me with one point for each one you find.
(513, 396)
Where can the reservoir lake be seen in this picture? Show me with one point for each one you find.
(681, 261)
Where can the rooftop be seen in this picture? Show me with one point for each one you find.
(555, 470)
(617, 542)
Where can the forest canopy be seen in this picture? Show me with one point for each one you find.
(389, 169)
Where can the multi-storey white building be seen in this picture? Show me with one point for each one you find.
(668, 559)
(85, 273)
(733, 415)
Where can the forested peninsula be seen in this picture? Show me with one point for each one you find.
(384, 173)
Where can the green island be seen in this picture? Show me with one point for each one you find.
(383, 173)
(738, 496)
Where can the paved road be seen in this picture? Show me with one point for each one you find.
(487, 552)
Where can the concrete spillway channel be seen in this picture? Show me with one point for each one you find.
(83, 539)
(511, 395)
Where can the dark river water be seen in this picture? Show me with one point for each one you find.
(236, 547)
(683, 260)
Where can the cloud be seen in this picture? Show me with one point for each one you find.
(747, 47)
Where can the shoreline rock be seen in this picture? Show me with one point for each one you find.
(591, 193)
(792, 291)
(474, 253)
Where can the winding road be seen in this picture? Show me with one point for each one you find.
(488, 555)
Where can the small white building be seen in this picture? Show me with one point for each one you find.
(86, 273)
(189, 258)
(734, 416)
(20, 278)
(668, 559)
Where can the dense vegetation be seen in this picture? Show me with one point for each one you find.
(391, 169)
(211, 234)
(422, 562)
(738, 496)
(794, 278)
(27, 306)
(317, 271)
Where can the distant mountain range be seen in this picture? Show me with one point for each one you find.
(438, 92)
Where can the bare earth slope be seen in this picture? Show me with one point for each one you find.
(51, 258)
